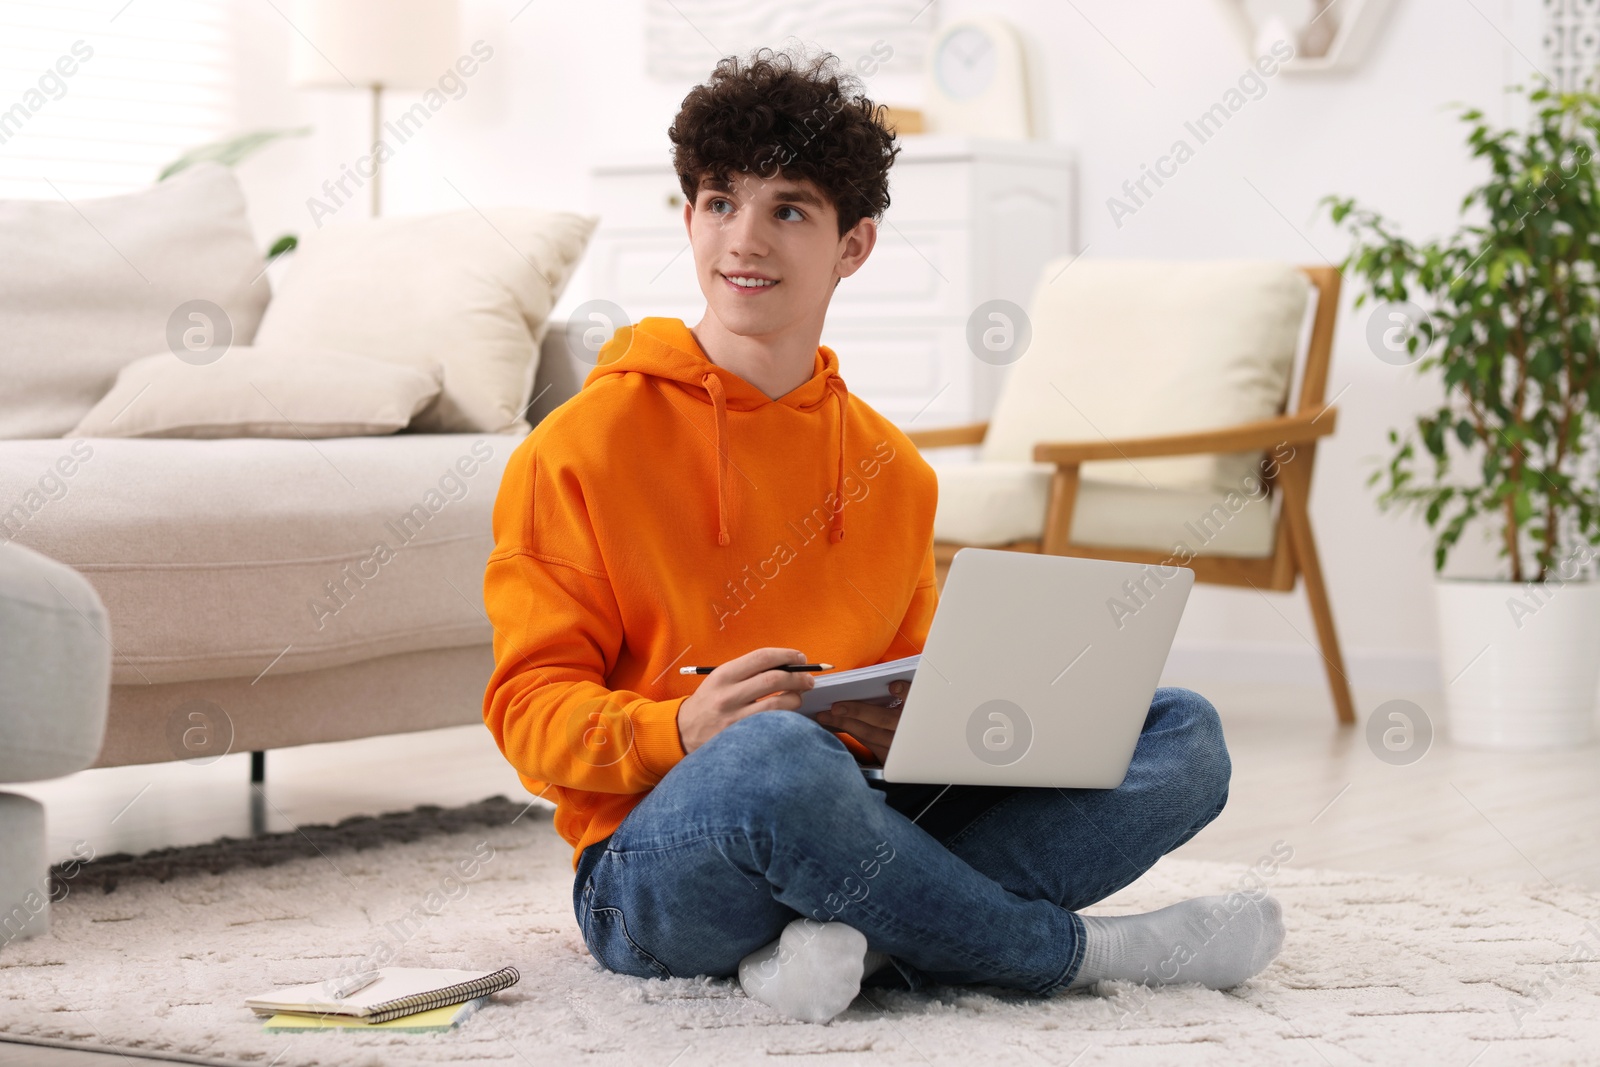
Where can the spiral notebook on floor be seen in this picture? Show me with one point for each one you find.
(434, 1021)
(398, 991)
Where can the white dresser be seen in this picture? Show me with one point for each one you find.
(970, 220)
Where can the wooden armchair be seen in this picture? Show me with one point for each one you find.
(1292, 437)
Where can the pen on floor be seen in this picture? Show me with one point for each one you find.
(354, 983)
(785, 667)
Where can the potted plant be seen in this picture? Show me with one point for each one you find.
(1507, 311)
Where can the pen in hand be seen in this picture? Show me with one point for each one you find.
(783, 667)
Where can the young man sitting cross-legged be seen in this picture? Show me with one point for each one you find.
(716, 495)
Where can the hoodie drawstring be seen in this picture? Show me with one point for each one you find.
(719, 406)
(836, 531)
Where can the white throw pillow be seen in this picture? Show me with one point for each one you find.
(261, 392)
(472, 292)
(87, 287)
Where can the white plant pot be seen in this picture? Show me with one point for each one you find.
(1519, 663)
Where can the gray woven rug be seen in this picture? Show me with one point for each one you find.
(154, 955)
(266, 850)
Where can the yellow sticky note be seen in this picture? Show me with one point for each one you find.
(444, 1018)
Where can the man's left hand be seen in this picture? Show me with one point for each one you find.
(871, 724)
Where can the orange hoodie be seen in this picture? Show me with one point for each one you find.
(673, 514)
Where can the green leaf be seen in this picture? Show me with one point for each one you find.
(1497, 273)
(1437, 505)
(1433, 437)
(230, 151)
(1522, 507)
(287, 243)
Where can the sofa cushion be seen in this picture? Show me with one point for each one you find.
(231, 557)
(90, 286)
(470, 291)
(1128, 348)
(996, 503)
(250, 391)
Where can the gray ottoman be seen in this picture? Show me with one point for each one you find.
(55, 680)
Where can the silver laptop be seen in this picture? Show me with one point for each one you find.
(1038, 671)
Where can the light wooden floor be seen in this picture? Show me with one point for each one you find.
(1297, 779)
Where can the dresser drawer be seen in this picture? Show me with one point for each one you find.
(914, 368)
(932, 191)
(646, 272)
(627, 200)
(916, 271)
(913, 270)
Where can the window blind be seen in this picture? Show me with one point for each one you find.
(97, 96)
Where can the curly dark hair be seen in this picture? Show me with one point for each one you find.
(775, 113)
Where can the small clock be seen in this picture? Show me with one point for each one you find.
(964, 63)
(976, 81)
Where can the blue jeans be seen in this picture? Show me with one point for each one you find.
(771, 820)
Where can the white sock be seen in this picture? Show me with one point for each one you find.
(812, 972)
(1199, 940)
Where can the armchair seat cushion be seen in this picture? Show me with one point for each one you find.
(995, 503)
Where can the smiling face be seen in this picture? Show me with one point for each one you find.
(768, 253)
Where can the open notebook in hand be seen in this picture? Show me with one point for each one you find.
(867, 684)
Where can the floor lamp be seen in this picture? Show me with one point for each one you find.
(373, 45)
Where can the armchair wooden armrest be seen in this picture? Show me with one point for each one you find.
(1300, 428)
(1303, 427)
(946, 436)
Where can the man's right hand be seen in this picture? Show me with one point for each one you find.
(738, 688)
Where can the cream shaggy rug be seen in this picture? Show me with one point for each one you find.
(1376, 970)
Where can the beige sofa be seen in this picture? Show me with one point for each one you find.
(261, 592)
(215, 559)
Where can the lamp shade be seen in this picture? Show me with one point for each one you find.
(400, 44)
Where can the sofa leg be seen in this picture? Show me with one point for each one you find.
(258, 767)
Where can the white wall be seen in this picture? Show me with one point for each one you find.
(566, 84)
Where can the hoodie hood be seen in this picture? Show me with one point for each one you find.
(665, 349)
